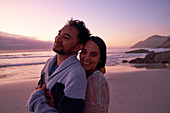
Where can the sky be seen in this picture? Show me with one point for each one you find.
(120, 23)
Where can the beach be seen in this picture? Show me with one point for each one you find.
(140, 92)
(143, 91)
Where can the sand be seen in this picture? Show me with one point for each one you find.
(130, 92)
(13, 96)
(140, 92)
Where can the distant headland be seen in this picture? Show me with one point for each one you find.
(155, 41)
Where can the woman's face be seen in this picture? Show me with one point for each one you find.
(90, 56)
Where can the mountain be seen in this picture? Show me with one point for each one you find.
(19, 42)
(165, 44)
(151, 42)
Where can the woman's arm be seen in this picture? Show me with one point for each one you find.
(97, 95)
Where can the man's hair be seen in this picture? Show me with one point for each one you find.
(102, 47)
(84, 33)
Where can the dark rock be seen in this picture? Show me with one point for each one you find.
(152, 57)
(137, 60)
(138, 51)
(162, 57)
(149, 58)
(124, 61)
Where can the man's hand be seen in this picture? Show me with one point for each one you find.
(48, 94)
(41, 87)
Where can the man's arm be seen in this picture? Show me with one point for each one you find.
(71, 101)
(73, 97)
(37, 103)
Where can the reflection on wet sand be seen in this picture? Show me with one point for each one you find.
(152, 66)
(168, 65)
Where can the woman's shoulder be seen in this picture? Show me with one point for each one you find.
(97, 76)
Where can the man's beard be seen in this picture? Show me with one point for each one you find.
(56, 49)
(62, 52)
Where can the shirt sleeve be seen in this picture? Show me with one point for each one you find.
(37, 103)
(73, 98)
(97, 95)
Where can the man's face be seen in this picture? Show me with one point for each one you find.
(66, 41)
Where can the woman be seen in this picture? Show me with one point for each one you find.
(93, 59)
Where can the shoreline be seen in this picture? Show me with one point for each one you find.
(145, 91)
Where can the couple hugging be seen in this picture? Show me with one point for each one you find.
(69, 85)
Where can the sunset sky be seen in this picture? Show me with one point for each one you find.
(120, 23)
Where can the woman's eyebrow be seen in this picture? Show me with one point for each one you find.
(95, 52)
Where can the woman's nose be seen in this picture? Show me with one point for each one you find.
(87, 57)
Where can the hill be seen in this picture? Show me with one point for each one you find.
(151, 42)
(165, 44)
(19, 42)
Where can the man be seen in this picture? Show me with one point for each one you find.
(63, 78)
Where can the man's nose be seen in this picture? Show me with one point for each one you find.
(58, 38)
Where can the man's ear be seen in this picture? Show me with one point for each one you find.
(78, 47)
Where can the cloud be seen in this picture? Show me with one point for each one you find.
(18, 42)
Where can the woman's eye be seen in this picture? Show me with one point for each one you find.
(94, 54)
(83, 51)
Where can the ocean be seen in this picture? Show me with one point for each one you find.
(21, 66)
